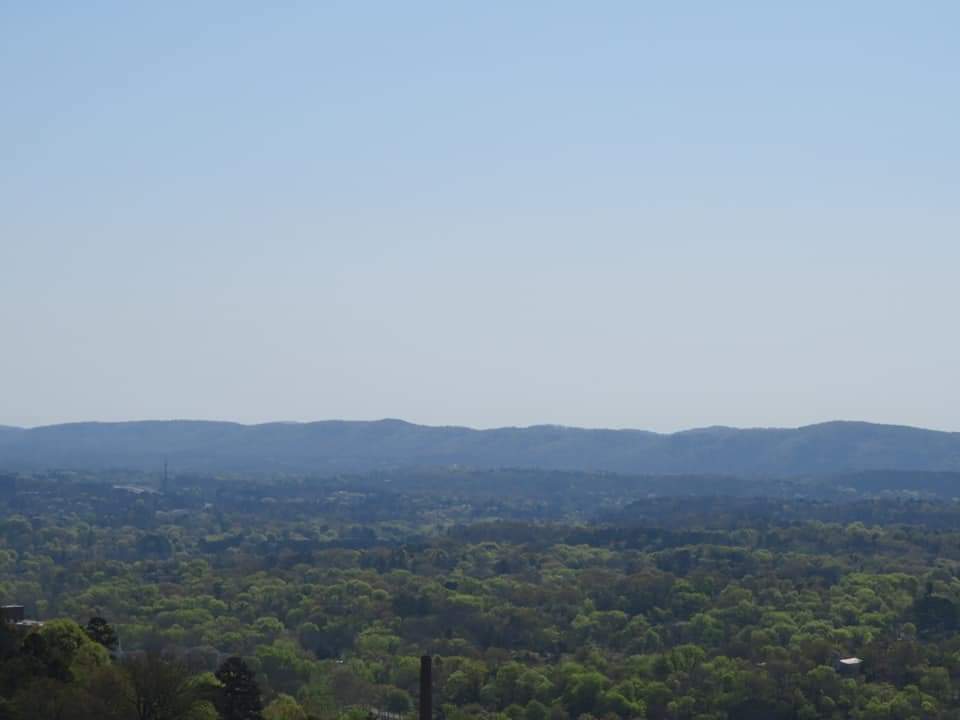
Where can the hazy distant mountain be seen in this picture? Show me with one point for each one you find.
(335, 446)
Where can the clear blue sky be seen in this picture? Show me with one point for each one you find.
(626, 214)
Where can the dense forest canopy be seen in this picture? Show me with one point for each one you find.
(540, 594)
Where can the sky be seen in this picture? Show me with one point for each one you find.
(611, 214)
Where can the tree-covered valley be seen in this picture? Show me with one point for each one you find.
(539, 594)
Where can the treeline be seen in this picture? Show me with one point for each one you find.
(464, 495)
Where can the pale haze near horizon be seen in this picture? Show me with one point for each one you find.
(609, 214)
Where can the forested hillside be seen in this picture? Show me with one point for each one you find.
(587, 603)
(336, 447)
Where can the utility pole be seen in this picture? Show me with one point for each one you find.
(426, 688)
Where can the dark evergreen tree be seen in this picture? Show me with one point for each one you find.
(239, 699)
(100, 631)
(935, 614)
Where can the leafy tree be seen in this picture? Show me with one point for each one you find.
(536, 710)
(66, 650)
(47, 699)
(158, 688)
(284, 707)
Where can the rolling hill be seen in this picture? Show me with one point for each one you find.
(331, 447)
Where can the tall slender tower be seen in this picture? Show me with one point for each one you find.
(426, 688)
(165, 478)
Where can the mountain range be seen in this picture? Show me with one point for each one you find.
(332, 447)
